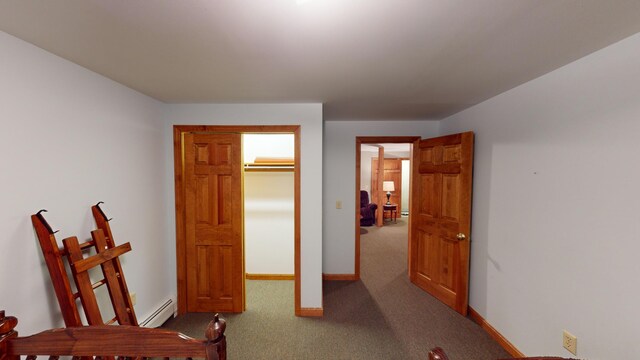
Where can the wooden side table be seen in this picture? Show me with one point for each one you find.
(393, 212)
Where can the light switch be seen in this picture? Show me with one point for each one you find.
(338, 204)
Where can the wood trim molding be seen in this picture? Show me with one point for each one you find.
(410, 253)
(181, 269)
(356, 270)
(506, 345)
(268, 129)
(296, 242)
(269, 276)
(311, 312)
(380, 198)
(340, 277)
(387, 139)
(178, 151)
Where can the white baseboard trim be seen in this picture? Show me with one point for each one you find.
(164, 312)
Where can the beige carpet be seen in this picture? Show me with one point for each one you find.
(383, 316)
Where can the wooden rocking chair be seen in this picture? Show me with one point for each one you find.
(105, 341)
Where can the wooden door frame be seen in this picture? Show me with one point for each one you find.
(413, 140)
(178, 171)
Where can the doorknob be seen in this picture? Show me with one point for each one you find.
(461, 236)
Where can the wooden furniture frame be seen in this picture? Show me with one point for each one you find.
(178, 132)
(393, 211)
(110, 342)
(102, 223)
(106, 257)
(439, 354)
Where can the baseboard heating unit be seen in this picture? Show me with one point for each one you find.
(162, 314)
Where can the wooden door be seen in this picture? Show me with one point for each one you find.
(441, 218)
(213, 222)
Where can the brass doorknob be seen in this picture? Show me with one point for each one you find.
(461, 236)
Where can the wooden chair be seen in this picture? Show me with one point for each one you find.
(439, 354)
(106, 341)
(73, 253)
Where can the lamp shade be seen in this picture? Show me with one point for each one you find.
(388, 186)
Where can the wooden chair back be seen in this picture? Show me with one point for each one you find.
(439, 354)
(106, 341)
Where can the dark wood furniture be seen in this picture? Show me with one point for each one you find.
(439, 354)
(75, 254)
(393, 212)
(83, 343)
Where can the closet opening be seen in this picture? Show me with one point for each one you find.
(269, 220)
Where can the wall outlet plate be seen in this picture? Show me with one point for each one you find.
(338, 204)
(570, 342)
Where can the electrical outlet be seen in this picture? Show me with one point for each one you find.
(570, 342)
(338, 204)
(134, 298)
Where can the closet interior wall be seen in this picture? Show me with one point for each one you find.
(269, 207)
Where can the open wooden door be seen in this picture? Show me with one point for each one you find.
(441, 211)
(213, 222)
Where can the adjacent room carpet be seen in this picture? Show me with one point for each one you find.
(382, 316)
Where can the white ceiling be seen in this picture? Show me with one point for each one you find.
(364, 59)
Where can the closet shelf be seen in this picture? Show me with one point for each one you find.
(270, 164)
(268, 168)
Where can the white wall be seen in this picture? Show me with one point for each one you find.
(309, 116)
(73, 138)
(267, 145)
(268, 207)
(268, 223)
(556, 210)
(406, 180)
(365, 170)
(339, 183)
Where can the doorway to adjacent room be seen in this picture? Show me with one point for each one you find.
(439, 223)
(368, 167)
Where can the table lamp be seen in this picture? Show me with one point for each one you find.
(388, 187)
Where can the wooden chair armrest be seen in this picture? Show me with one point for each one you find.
(437, 354)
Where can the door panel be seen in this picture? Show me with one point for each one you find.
(213, 222)
(428, 203)
(450, 197)
(441, 224)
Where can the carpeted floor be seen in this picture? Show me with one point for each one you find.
(382, 316)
